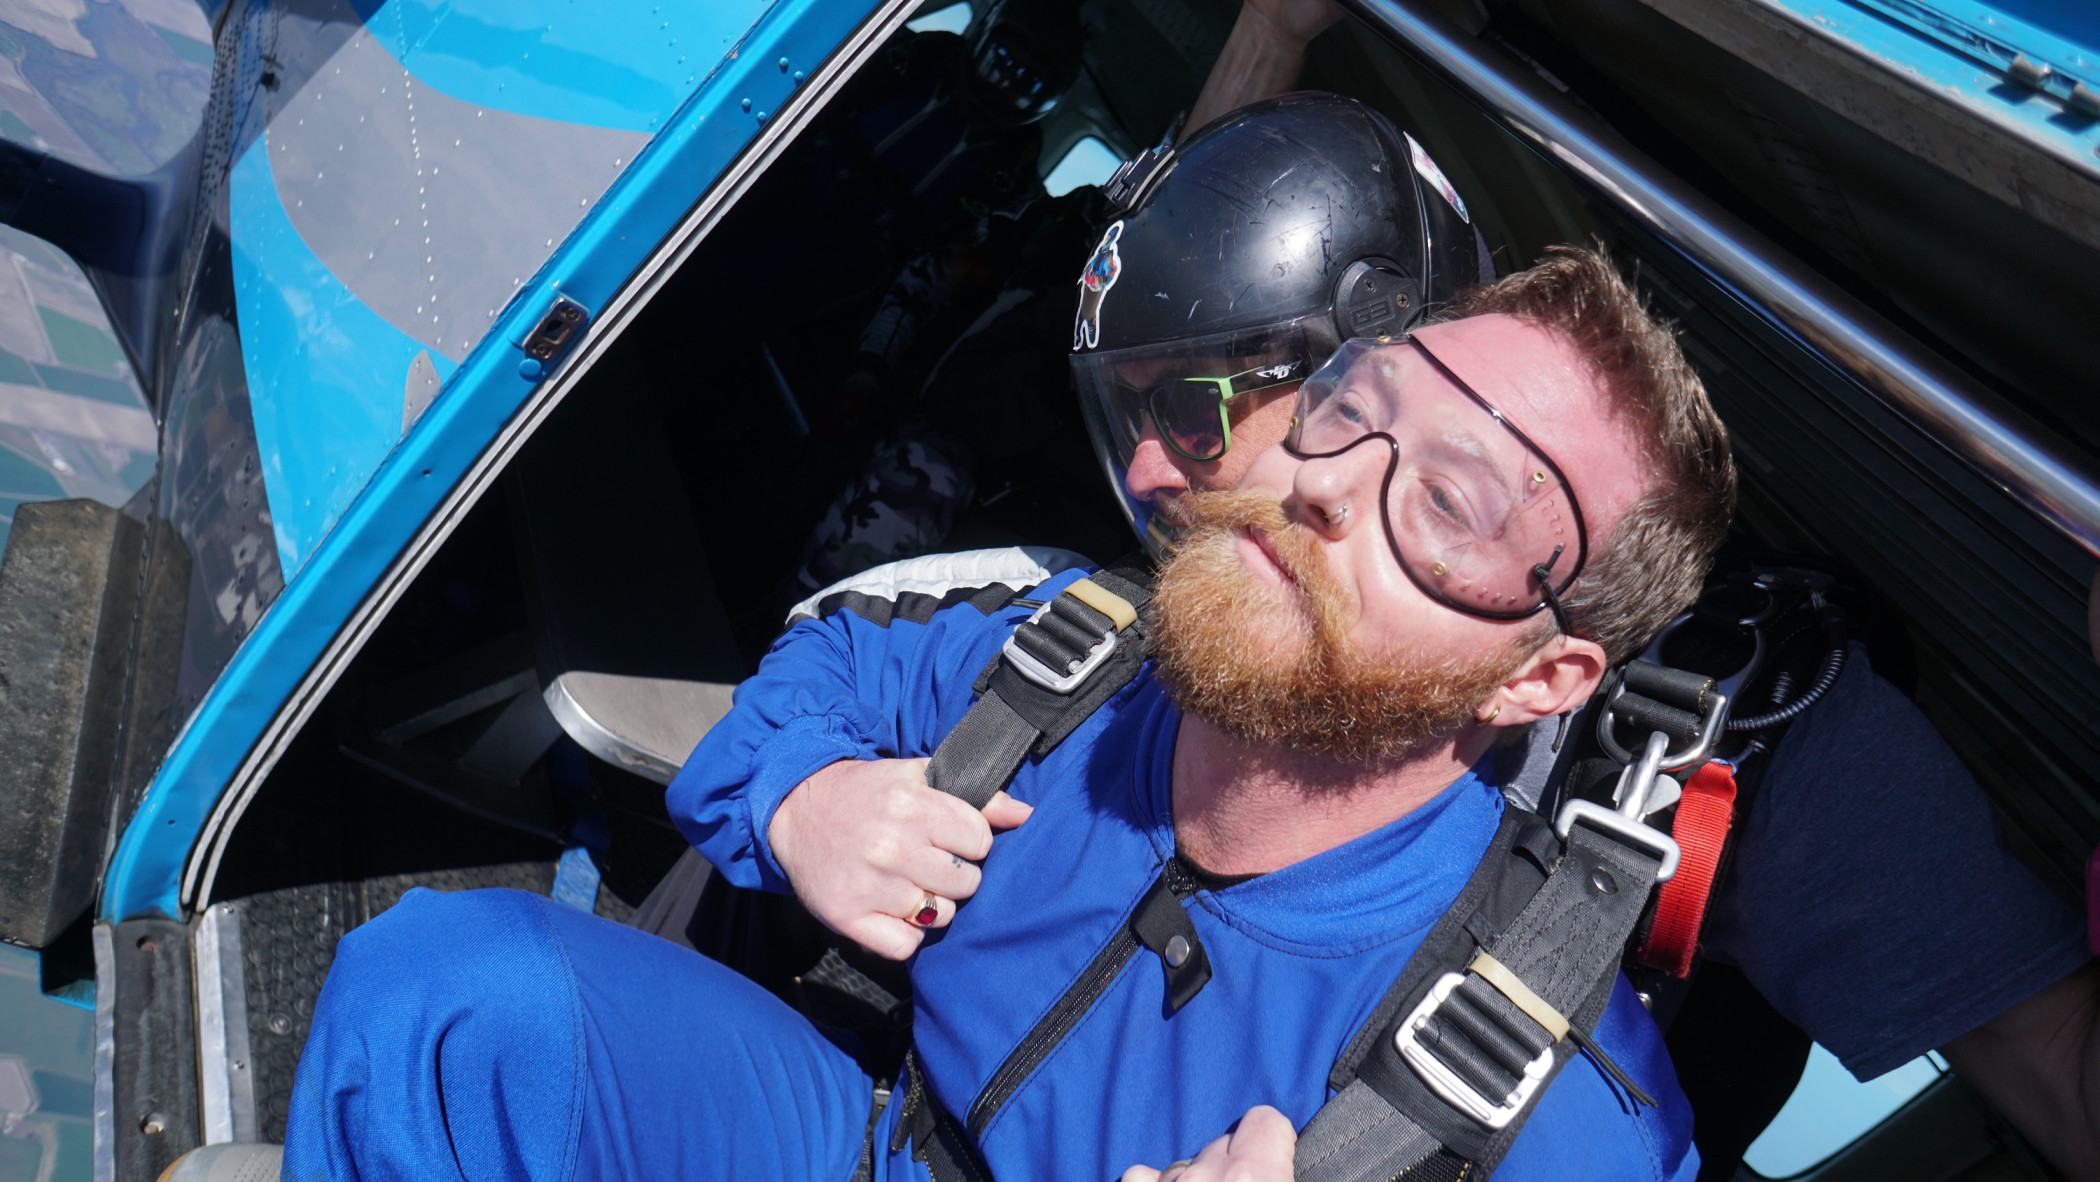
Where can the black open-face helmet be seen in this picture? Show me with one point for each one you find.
(1023, 56)
(1240, 259)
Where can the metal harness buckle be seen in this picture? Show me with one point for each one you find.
(1027, 665)
(1446, 1082)
(1637, 785)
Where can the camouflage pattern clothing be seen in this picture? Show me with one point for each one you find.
(904, 504)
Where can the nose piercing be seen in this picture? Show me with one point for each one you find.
(1339, 515)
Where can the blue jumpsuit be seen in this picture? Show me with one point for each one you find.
(496, 1035)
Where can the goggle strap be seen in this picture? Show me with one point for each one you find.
(1543, 572)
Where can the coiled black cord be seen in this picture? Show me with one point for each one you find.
(1832, 618)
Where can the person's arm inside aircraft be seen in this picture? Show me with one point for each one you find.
(810, 706)
(2039, 1063)
(1263, 56)
(1908, 925)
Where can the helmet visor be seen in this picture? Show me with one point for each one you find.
(1476, 514)
(1186, 394)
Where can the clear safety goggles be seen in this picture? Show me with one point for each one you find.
(1476, 513)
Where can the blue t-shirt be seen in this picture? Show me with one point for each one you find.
(1871, 899)
(1300, 956)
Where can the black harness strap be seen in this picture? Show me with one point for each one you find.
(1074, 654)
(935, 1136)
(1454, 1059)
(1437, 1085)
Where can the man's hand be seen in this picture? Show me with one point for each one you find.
(865, 841)
(1259, 1150)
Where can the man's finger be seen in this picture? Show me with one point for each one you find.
(1140, 1174)
(944, 873)
(934, 909)
(1004, 812)
(886, 936)
(1264, 1135)
(957, 828)
(1212, 1153)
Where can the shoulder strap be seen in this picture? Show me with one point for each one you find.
(1503, 992)
(1056, 669)
(1514, 978)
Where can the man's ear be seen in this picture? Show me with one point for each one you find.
(1560, 676)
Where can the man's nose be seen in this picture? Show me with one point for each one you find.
(1338, 494)
(1154, 470)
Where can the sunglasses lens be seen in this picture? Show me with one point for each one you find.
(1189, 414)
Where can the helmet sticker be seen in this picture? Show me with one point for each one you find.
(1094, 282)
(1435, 176)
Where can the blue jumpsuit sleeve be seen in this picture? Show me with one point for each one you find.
(846, 686)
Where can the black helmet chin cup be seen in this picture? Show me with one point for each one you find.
(1308, 212)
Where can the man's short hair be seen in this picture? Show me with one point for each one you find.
(1653, 561)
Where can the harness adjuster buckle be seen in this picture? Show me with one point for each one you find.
(1089, 602)
(1447, 1082)
(1029, 666)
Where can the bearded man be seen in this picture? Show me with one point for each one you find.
(1462, 533)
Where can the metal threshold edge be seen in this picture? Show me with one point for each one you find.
(2026, 460)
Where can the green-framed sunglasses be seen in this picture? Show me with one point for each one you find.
(1194, 414)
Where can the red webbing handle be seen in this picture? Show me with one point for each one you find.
(1704, 816)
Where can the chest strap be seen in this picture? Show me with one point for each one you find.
(1504, 991)
(1436, 1086)
(1056, 669)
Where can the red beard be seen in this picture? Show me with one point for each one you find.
(1266, 666)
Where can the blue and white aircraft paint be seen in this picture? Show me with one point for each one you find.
(345, 219)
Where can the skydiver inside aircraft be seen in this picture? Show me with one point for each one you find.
(1828, 909)
(1260, 836)
(1990, 966)
(1963, 950)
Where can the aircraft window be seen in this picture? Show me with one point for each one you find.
(1090, 162)
(953, 18)
(73, 421)
(47, 1078)
(118, 89)
(1829, 1110)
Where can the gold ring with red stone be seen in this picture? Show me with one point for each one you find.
(929, 910)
